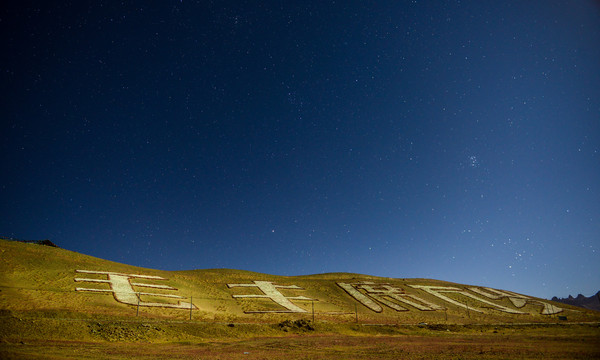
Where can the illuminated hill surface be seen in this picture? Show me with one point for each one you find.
(46, 287)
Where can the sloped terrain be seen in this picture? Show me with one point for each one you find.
(48, 292)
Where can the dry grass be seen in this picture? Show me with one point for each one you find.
(43, 317)
(573, 342)
(41, 278)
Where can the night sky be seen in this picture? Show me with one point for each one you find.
(454, 140)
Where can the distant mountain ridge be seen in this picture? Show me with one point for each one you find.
(591, 303)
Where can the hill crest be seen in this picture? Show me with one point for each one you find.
(41, 279)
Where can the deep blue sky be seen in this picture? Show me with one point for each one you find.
(455, 140)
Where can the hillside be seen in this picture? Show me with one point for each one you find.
(42, 282)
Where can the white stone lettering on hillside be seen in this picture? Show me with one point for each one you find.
(271, 292)
(385, 293)
(122, 289)
(517, 300)
(363, 299)
(439, 292)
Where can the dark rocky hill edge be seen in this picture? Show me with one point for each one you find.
(591, 303)
(45, 242)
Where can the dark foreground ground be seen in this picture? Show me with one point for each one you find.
(488, 342)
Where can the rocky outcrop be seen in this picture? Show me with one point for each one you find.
(592, 302)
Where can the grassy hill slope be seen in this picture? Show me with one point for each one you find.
(41, 282)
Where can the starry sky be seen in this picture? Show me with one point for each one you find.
(454, 140)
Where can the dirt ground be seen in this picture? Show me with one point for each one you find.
(581, 343)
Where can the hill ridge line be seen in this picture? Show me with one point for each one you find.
(82, 284)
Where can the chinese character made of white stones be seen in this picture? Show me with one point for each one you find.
(123, 291)
(382, 293)
(517, 300)
(270, 292)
